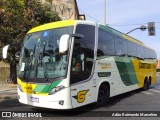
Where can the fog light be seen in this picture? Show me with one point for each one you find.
(61, 102)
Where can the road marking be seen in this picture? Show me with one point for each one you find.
(147, 93)
(153, 90)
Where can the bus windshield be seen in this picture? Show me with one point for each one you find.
(40, 56)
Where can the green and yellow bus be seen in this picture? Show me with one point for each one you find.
(68, 64)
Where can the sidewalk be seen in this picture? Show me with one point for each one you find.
(8, 90)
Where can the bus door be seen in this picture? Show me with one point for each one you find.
(81, 80)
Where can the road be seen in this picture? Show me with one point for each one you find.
(137, 100)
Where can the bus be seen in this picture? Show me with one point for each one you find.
(72, 63)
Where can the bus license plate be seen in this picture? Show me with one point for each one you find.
(33, 99)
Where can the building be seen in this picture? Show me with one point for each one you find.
(67, 9)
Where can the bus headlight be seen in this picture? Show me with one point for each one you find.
(56, 89)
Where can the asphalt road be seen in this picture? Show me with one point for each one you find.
(135, 101)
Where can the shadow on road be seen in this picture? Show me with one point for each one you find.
(87, 110)
(9, 103)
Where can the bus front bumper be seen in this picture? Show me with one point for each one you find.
(59, 100)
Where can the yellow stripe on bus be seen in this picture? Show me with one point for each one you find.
(27, 88)
(142, 72)
(53, 25)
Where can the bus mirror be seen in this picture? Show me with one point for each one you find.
(5, 51)
(63, 43)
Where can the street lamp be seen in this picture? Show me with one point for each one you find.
(143, 28)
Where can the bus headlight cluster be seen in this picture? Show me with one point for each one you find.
(56, 89)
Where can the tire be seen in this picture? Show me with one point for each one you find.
(103, 95)
(146, 85)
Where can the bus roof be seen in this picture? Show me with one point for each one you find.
(52, 25)
(66, 23)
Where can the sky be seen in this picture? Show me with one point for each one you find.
(125, 15)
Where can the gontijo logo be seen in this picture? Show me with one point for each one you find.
(81, 96)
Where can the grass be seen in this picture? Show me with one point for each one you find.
(4, 71)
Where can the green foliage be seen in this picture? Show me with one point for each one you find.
(50, 1)
(18, 16)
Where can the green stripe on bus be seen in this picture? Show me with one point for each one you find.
(41, 88)
(109, 29)
(54, 84)
(46, 88)
(126, 70)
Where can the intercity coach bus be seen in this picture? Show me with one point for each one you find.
(68, 64)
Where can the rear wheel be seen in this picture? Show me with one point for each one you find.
(146, 85)
(103, 95)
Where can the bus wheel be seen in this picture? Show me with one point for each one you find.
(103, 95)
(146, 85)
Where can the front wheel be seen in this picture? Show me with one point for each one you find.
(103, 95)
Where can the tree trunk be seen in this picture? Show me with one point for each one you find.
(13, 70)
(14, 73)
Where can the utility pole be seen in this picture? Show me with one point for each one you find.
(105, 9)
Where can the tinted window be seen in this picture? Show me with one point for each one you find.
(150, 54)
(145, 53)
(120, 46)
(83, 54)
(131, 48)
(105, 43)
(139, 53)
(154, 56)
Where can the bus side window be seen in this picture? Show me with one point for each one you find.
(105, 43)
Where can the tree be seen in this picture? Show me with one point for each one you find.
(16, 18)
(50, 1)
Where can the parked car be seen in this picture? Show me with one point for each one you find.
(158, 71)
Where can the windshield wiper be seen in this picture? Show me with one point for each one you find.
(43, 63)
(44, 70)
(29, 62)
(44, 66)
